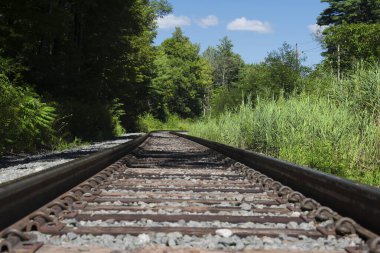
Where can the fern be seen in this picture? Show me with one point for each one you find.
(26, 121)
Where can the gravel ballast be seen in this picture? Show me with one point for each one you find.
(16, 166)
(224, 240)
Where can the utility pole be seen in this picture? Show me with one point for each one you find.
(297, 56)
(338, 62)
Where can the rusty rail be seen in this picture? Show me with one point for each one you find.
(351, 199)
(20, 197)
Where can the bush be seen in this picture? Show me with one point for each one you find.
(26, 121)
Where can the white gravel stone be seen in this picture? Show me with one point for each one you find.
(245, 206)
(224, 232)
(143, 239)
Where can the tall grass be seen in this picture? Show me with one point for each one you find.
(337, 132)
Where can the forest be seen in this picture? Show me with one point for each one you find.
(76, 71)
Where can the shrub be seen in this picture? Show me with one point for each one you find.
(26, 121)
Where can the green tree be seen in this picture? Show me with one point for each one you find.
(226, 64)
(357, 42)
(181, 78)
(285, 68)
(350, 11)
(352, 34)
(84, 55)
(280, 74)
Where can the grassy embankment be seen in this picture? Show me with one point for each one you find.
(333, 126)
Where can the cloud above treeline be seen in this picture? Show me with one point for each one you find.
(244, 24)
(240, 24)
(171, 21)
(210, 20)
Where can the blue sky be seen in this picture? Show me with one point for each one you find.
(255, 27)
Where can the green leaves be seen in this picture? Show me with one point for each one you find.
(353, 32)
(225, 63)
(310, 131)
(357, 42)
(181, 78)
(350, 11)
(27, 122)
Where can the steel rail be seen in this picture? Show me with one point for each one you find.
(22, 196)
(358, 201)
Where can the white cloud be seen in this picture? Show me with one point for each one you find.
(210, 20)
(316, 29)
(171, 21)
(243, 24)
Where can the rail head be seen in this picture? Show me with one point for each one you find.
(20, 197)
(358, 201)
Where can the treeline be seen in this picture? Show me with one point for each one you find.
(326, 118)
(74, 69)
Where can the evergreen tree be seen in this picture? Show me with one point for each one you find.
(350, 11)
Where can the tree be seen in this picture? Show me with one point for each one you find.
(84, 55)
(226, 64)
(352, 34)
(350, 11)
(280, 73)
(181, 78)
(357, 42)
(285, 68)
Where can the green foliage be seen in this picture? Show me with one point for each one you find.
(357, 42)
(181, 79)
(360, 90)
(352, 33)
(117, 111)
(161, 7)
(225, 63)
(285, 68)
(350, 11)
(280, 74)
(306, 131)
(149, 123)
(220, 102)
(26, 121)
(84, 52)
(332, 125)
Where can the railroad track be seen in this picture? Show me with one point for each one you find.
(170, 194)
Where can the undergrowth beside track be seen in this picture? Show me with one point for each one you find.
(303, 130)
(332, 126)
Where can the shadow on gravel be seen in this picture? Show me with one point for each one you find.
(13, 160)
